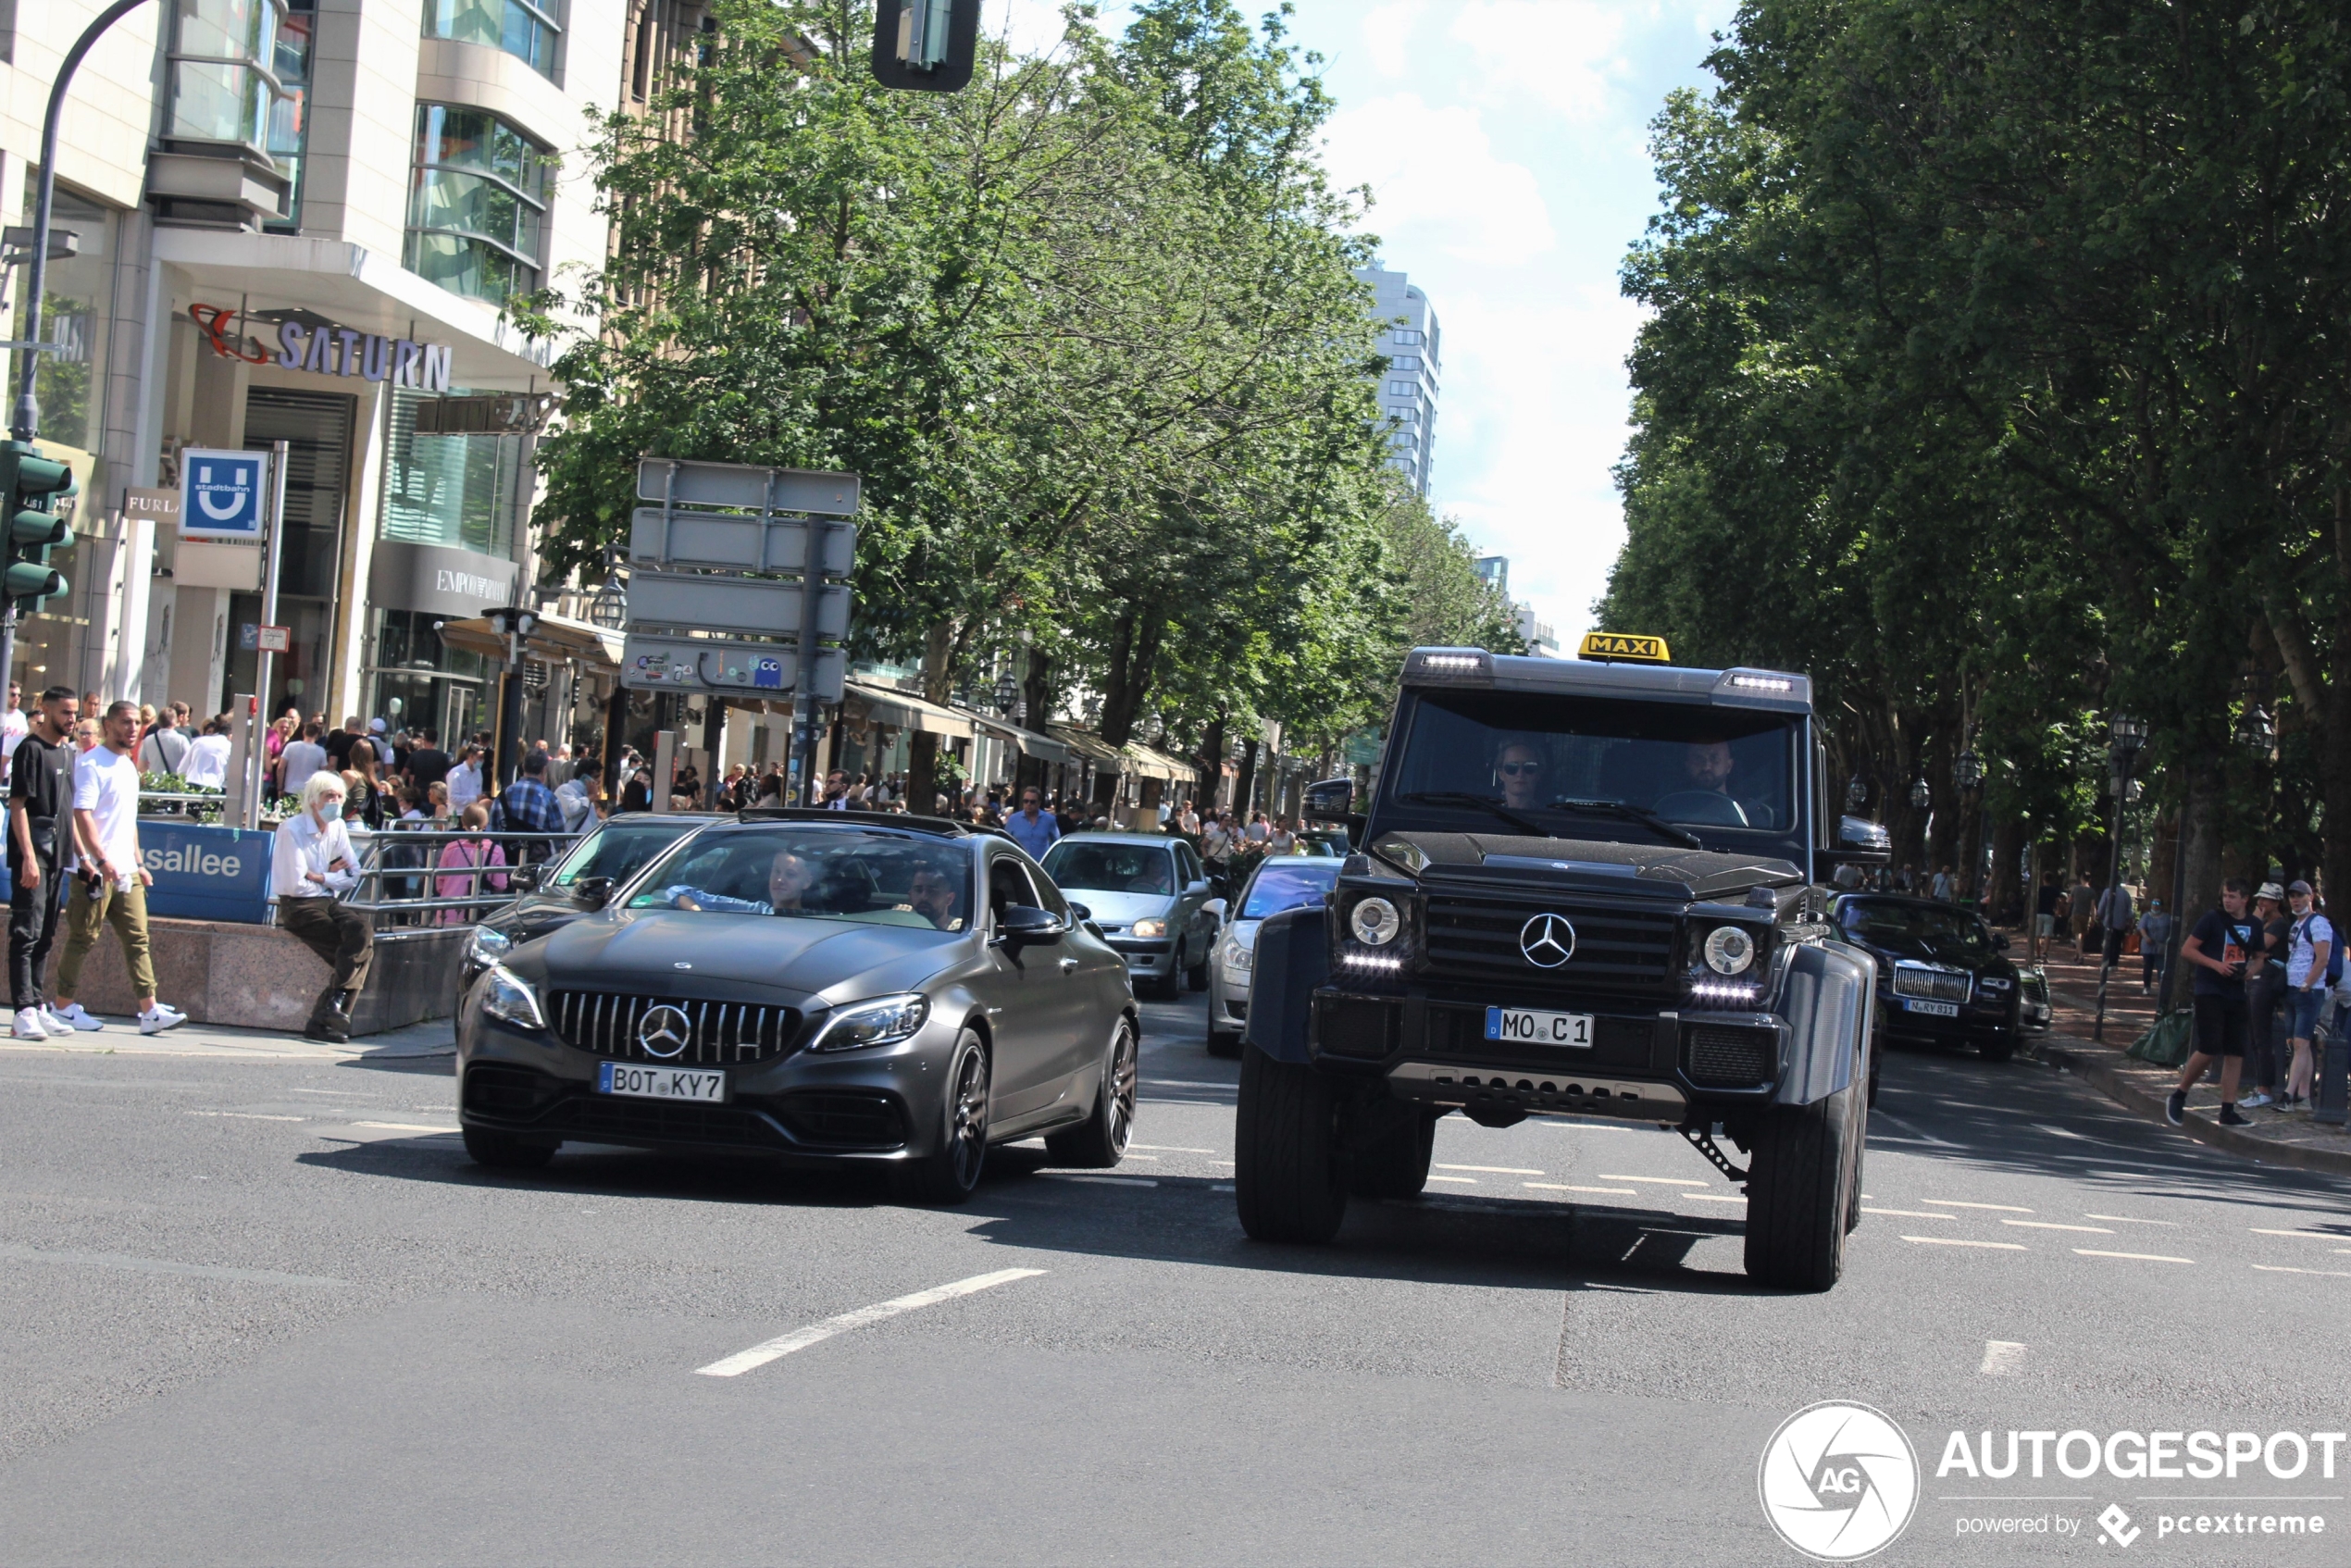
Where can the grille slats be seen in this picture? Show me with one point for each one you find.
(722, 1034)
(1931, 985)
(1624, 952)
(1727, 1058)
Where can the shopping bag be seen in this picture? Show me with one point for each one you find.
(2168, 1042)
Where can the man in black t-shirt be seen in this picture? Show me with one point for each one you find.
(339, 744)
(427, 764)
(2225, 946)
(2045, 911)
(40, 810)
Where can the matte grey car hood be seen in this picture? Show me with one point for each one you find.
(1592, 865)
(665, 951)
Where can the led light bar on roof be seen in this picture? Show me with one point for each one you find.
(1763, 682)
(1463, 665)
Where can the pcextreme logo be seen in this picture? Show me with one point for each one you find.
(1839, 1481)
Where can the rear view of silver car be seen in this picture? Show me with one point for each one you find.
(1148, 895)
(1279, 882)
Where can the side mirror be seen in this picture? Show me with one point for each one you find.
(1861, 842)
(1196, 887)
(2000, 941)
(1022, 924)
(594, 891)
(1329, 801)
(1214, 907)
(1080, 913)
(524, 878)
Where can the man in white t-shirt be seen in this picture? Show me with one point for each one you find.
(207, 759)
(13, 724)
(112, 881)
(2309, 947)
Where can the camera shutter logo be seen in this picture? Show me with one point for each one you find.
(666, 1032)
(1839, 1481)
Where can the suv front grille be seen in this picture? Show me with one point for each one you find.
(720, 1033)
(1931, 985)
(1617, 952)
(1730, 1058)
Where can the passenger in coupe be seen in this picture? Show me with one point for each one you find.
(933, 897)
(788, 879)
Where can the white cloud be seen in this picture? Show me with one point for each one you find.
(1438, 181)
(1564, 53)
(1035, 27)
(1388, 31)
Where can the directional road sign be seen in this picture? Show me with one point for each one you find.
(732, 666)
(732, 541)
(717, 602)
(745, 487)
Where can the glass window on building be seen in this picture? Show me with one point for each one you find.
(460, 492)
(477, 205)
(416, 680)
(519, 28)
(77, 307)
(290, 112)
(240, 75)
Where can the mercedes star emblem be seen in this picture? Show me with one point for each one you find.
(666, 1032)
(1548, 940)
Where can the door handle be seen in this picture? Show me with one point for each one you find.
(1069, 965)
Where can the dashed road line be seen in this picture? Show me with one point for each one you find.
(2054, 1131)
(1169, 1148)
(2001, 1357)
(2135, 1257)
(1958, 1204)
(1465, 1181)
(1492, 1170)
(2132, 1219)
(1662, 1181)
(2048, 1225)
(1184, 1083)
(1908, 1213)
(1961, 1241)
(2277, 1268)
(1713, 1197)
(404, 1127)
(2312, 1235)
(816, 1333)
(1564, 1187)
(245, 1117)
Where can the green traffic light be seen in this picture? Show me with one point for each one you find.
(37, 477)
(39, 530)
(29, 579)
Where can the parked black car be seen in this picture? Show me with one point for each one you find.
(1942, 974)
(581, 882)
(818, 989)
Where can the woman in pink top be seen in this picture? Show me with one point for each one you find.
(458, 859)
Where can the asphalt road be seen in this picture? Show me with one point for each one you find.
(266, 1311)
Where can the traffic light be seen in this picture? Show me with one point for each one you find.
(926, 46)
(31, 487)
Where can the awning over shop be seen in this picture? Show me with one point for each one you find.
(1087, 744)
(886, 705)
(1150, 762)
(1027, 742)
(556, 638)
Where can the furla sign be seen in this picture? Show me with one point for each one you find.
(329, 349)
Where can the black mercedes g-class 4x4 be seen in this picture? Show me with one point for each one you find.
(1577, 889)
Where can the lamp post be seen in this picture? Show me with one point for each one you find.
(514, 623)
(2125, 736)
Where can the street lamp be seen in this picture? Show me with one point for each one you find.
(514, 623)
(1921, 796)
(2254, 731)
(1007, 690)
(1968, 771)
(2126, 736)
(1857, 794)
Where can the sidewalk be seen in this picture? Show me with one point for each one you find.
(435, 1037)
(2073, 990)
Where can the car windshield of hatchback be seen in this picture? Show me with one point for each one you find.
(1290, 884)
(618, 849)
(1918, 930)
(1112, 869)
(875, 876)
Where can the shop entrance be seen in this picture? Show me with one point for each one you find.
(316, 429)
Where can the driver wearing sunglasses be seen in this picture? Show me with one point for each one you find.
(1519, 768)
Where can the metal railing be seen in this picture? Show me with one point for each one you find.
(403, 869)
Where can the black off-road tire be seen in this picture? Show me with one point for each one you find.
(950, 1171)
(1798, 1193)
(1289, 1179)
(1877, 1066)
(1396, 1166)
(1223, 1042)
(1100, 1142)
(506, 1151)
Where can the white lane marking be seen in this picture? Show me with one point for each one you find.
(800, 1339)
(1465, 1181)
(1185, 1083)
(1492, 1170)
(2055, 1131)
(1955, 1241)
(2135, 1257)
(2313, 1235)
(1919, 1132)
(1712, 1197)
(337, 1093)
(1222, 1187)
(2000, 1357)
(1956, 1204)
(1168, 1148)
(403, 1126)
(1132, 1155)
(1561, 1186)
(2127, 1219)
(1908, 1213)
(161, 1265)
(2046, 1225)
(1582, 1127)
(1662, 1181)
(1101, 1180)
(245, 1116)
(2329, 1273)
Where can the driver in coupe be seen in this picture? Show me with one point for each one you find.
(788, 879)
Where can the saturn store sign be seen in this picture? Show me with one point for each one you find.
(329, 349)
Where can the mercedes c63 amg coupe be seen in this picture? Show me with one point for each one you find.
(819, 989)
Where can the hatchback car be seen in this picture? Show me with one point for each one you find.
(1941, 974)
(603, 860)
(1290, 881)
(1148, 895)
(818, 988)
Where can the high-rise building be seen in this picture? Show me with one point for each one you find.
(1540, 640)
(1408, 391)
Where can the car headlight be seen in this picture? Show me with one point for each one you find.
(1240, 960)
(886, 1020)
(1150, 927)
(1730, 950)
(508, 996)
(1375, 922)
(486, 946)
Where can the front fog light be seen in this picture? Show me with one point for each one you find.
(1375, 922)
(1729, 950)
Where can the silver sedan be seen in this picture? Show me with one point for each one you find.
(1148, 895)
(1280, 882)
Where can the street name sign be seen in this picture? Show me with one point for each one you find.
(730, 666)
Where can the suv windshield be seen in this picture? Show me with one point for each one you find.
(620, 849)
(875, 876)
(1591, 767)
(1293, 883)
(1111, 868)
(1917, 930)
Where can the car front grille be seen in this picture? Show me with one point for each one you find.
(834, 1119)
(661, 1121)
(1617, 952)
(1931, 985)
(1729, 1058)
(720, 1033)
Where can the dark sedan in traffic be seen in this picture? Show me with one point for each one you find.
(582, 881)
(1943, 974)
(819, 989)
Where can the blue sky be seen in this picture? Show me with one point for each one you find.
(1505, 143)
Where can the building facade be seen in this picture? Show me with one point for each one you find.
(300, 220)
(1408, 391)
(1537, 638)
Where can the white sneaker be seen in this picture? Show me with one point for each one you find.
(78, 1016)
(54, 1021)
(29, 1025)
(159, 1018)
(2253, 1102)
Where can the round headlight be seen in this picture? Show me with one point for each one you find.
(1376, 922)
(1729, 950)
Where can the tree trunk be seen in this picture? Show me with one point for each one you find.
(2201, 853)
(1211, 763)
(1037, 687)
(922, 747)
(1134, 652)
(1244, 787)
(2004, 889)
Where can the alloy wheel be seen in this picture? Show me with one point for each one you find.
(967, 1135)
(1121, 1089)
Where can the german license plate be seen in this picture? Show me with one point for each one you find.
(1524, 1026)
(1932, 1009)
(660, 1083)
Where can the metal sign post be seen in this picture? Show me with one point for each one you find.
(257, 758)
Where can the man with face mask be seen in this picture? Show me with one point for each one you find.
(311, 862)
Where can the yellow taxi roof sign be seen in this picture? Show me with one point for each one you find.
(1623, 648)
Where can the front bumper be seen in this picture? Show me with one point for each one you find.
(1975, 1020)
(880, 1107)
(1154, 957)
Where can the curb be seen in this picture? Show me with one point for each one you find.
(2131, 1096)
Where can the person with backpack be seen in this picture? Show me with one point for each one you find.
(2313, 967)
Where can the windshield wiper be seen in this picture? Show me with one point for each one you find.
(1491, 807)
(1631, 812)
